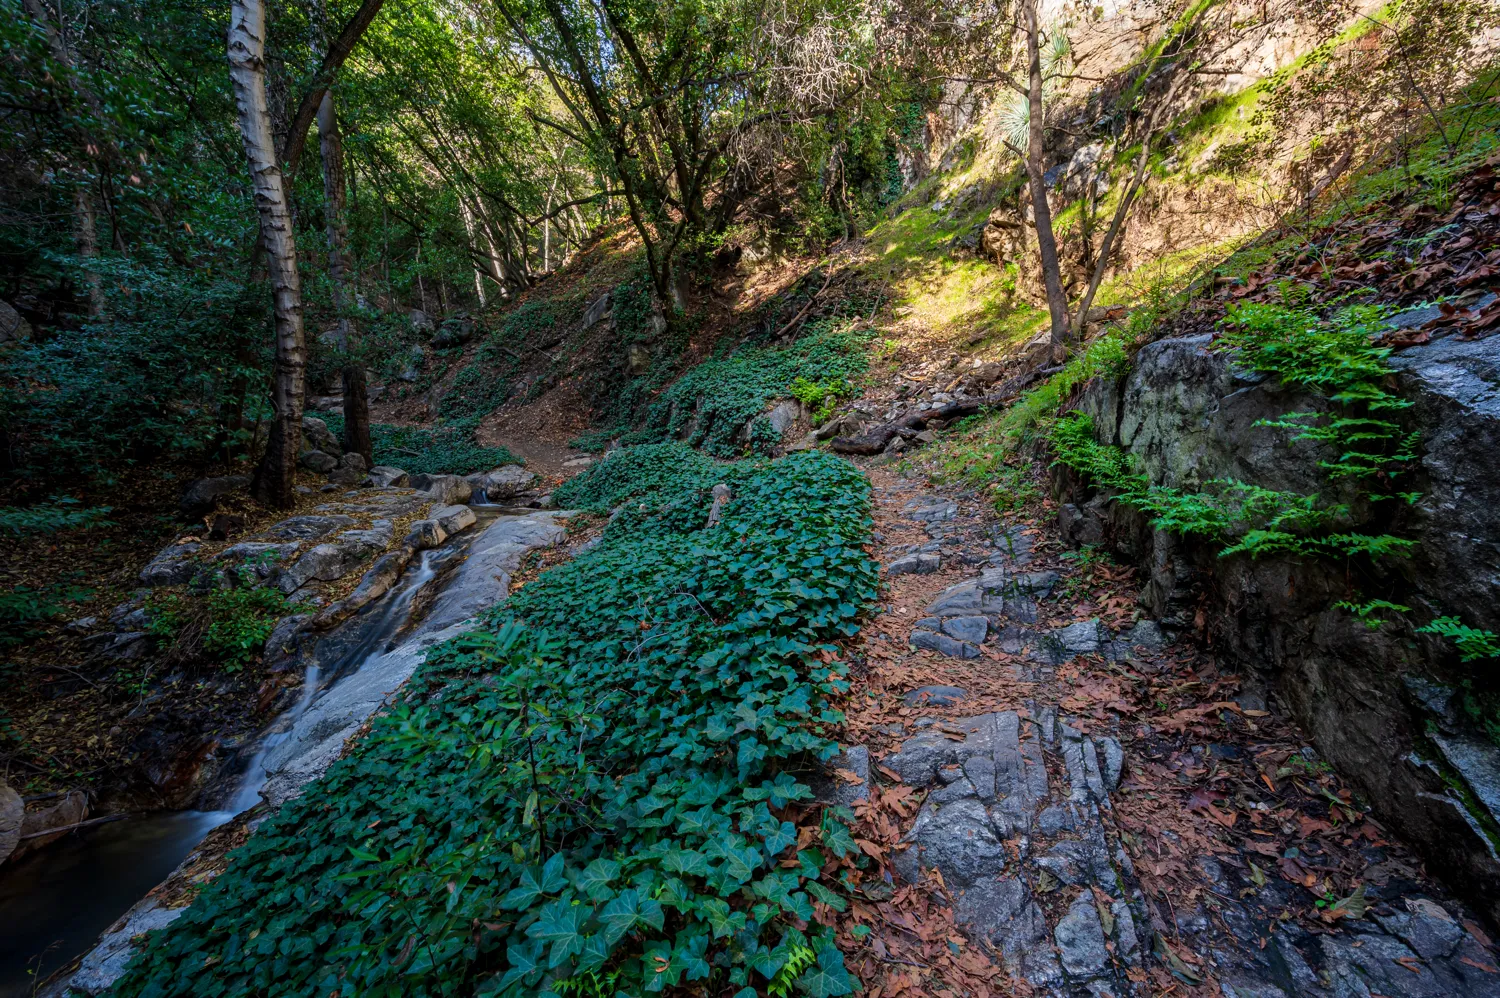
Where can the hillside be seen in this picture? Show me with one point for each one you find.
(813, 528)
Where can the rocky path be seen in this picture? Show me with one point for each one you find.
(1071, 802)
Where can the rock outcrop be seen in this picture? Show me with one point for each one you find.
(1385, 705)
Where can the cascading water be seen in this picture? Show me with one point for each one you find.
(54, 904)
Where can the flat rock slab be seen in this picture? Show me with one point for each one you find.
(480, 582)
(1000, 824)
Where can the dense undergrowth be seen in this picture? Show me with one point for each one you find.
(718, 404)
(445, 449)
(593, 791)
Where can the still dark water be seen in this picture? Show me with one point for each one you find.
(54, 903)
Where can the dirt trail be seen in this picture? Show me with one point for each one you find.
(1072, 803)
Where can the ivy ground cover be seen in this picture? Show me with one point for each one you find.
(593, 792)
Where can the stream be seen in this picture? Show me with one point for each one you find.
(55, 903)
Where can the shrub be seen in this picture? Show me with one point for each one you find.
(226, 626)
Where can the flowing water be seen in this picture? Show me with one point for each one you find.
(55, 902)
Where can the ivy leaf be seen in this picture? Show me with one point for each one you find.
(595, 879)
(829, 978)
(825, 895)
(687, 862)
(530, 888)
(624, 912)
(524, 960)
(721, 919)
(552, 875)
(560, 924)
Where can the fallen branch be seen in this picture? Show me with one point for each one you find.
(76, 825)
(873, 441)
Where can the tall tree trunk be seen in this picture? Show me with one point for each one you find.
(275, 479)
(86, 238)
(468, 220)
(1057, 299)
(356, 397)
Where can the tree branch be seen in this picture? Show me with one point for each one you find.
(349, 36)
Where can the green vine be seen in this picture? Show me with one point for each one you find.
(594, 792)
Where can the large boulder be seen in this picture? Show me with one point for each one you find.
(12, 815)
(454, 331)
(317, 436)
(502, 483)
(384, 476)
(173, 565)
(318, 461)
(201, 497)
(446, 489)
(13, 327)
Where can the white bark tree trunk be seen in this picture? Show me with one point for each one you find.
(276, 477)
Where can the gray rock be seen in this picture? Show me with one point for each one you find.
(13, 326)
(202, 495)
(255, 560)
(173, 565)
(932, 511)
(919, 757)
(942, 644)
(1002, 913)
(1111, 762)
(1080, 939)
(454, 518)
(12, 815)
(1146, 634)
(916, 563)
(970, 629)
(355, 461)
(935, 696)
(283, 640)
(482, 580)
(835, 788)
(336, 558)
(783, 417)
(956, 839)
(504, 482)
(959, 789)
(598, 310)
(316, 460)
(105, 964)
(385, 476)
(453, 331)
(424, 535)
(1083, 638)
(317, 436)
(446, 489)
(308, 528)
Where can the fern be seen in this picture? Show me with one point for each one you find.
(799, 959)
(1366, 612)
(1473, 644)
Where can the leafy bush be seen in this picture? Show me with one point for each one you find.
(590, 789)
(120, 390)
(1246, 518)
(227, 626)
(57, 514)
(24, 607)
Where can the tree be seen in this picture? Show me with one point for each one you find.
(276, 476)
(1147, 102)
(331, 145)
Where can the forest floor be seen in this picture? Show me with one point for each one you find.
(1233, 853)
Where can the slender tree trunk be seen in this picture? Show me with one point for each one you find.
(275, 479)
(1057, 299)
(356, 397)
(86, 238)
(468, 220)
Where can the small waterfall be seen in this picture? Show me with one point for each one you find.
(375, 637)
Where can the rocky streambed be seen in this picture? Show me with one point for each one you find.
(378, 576)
